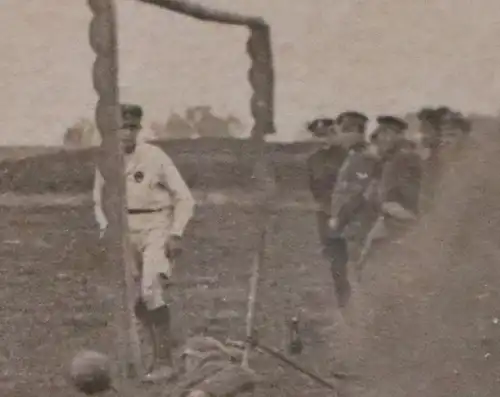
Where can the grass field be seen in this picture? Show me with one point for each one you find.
(422, 322)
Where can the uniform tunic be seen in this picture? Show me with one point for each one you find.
(349, 198)
(401, 178)
(399, 182)
(323, 167)
(159, 205)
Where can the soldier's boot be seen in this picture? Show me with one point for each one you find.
(342, 291)
(339, 261)
(163, 366)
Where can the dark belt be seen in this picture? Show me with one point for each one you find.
(144, 211)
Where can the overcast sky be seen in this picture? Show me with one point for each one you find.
(330, 55)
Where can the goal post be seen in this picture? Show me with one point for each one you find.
(110, 163)
(261, 73)
(103, 39)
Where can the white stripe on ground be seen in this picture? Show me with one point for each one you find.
(290, 201)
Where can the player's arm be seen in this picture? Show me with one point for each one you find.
(183, 201)
(97, 197)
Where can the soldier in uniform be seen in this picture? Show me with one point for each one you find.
(348, 201)
(347, 132)
(159, 206)
(429, 147)
(451, 130)
(395, 188)
(323, 165)
(355, 200)
(429, 135)
(454, 128)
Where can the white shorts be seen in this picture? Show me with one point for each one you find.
(148, 235)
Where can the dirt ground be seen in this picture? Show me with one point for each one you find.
(423, 322)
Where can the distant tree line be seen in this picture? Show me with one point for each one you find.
(200, 121)
(197, 121)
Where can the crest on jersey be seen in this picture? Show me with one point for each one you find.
(139, 176)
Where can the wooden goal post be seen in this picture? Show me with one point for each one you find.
(103, 39)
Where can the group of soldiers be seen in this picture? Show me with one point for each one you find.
(370, 186)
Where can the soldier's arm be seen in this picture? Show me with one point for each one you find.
(315, 181)
(97, 197)
(389, 183)
(183, 201)
(401, 182)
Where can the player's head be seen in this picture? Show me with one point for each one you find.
(131, 125)
(350, 127)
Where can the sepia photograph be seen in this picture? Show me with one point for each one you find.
(250, 198)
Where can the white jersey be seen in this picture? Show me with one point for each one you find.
(152, 183)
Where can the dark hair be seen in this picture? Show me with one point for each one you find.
(131, 110)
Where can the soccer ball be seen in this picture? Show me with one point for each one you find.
(90, 372)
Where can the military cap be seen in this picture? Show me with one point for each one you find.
(429, 115)
(131, 111)
(443, 111)
(352, 115)
(317, 125)
(426, 114)
(395, 122)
